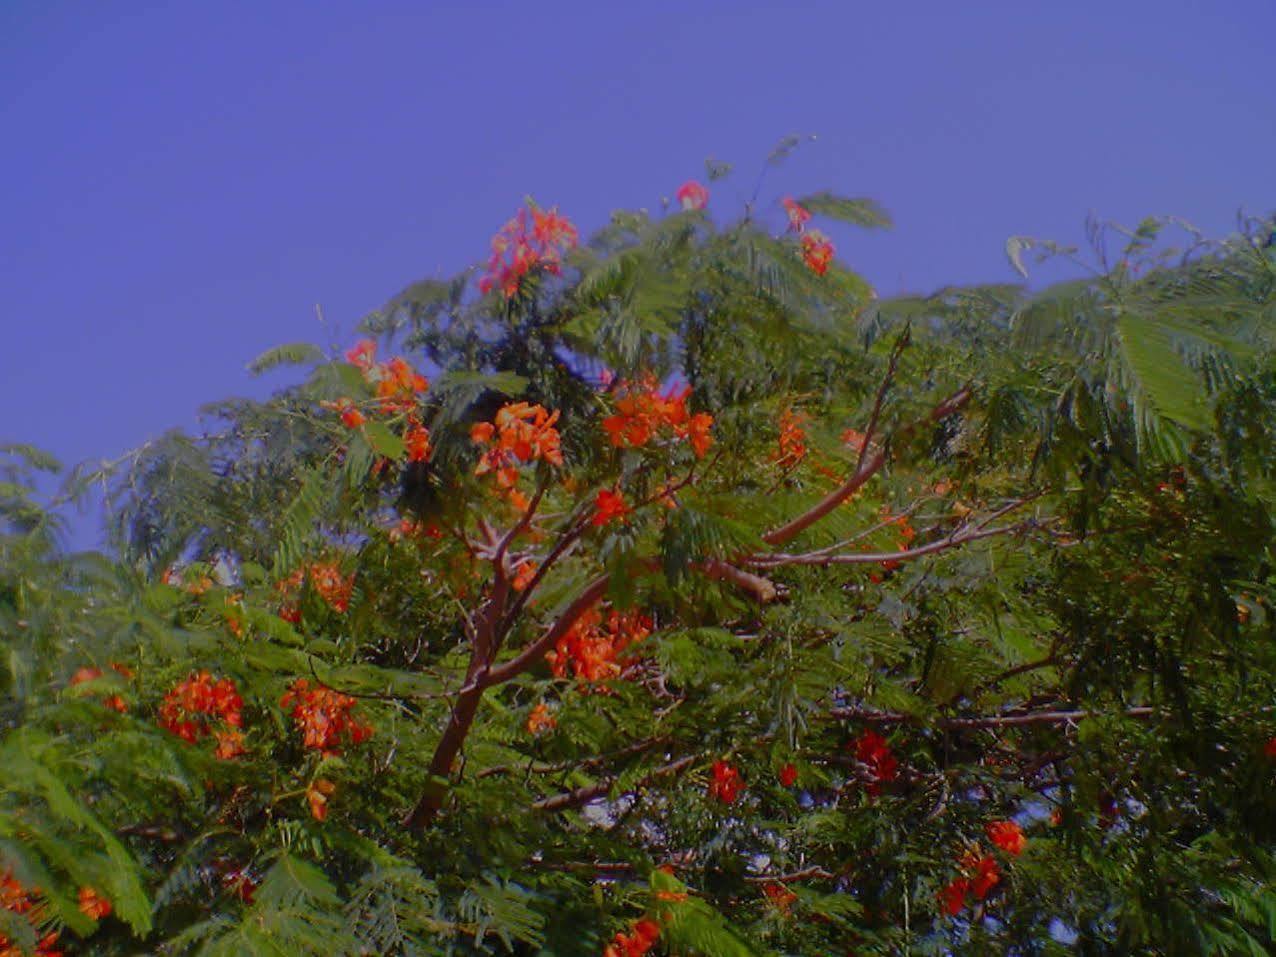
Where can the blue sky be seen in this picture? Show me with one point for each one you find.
(184, 182)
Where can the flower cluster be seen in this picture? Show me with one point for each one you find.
(726, 783)
(979, 875)
(193, 708)
(817, 251)
(541, 719)
(351, 417)
(24, 902)
(643, 413)
(324, 717)
(591, 650)
(609, 506)
(93, 905)
(798, 214)
(325, 578)
(114, 702)
(397, 384)
(779, 896)
(640, 939)
(317, 795)
(520, 433)
(692, 195)
(872, 750)
(1008, 836)
(525, 243)
(791, 446)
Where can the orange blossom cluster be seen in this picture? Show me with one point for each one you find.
(324, 717)
(525, 243)
(19, 900)
(642, 413)
(520, 433)
(189, 710)
(641, 938)
(592, 648)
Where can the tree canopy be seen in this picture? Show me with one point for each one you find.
(667, 591)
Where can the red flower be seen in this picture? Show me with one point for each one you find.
(986, 876)
(691, 195)
(952, 896)
(788, 775)
(1270, 748)
(93, 905)
(609, 506)
(817, 252)
(641, 939)
(1007, 835)
(780, 896)
(362, 354)
(798, 214)
(871, 749)
(726, 784)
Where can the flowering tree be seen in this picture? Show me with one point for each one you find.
(671, 593)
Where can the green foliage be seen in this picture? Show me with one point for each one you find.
(1032, 583)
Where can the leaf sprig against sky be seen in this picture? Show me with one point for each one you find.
(669, 591)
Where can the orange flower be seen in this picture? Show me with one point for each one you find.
(726, 784)
(519, 433)
(482, 432)
(691, 195)
(780, 897)
(187, 710)
(523, 576)
(643, 413)
(417, 443)
(788, 775)
(541, 719)
(334, 588)
(517, 250)
(817, 252)
(1007, 835)
(230, 744)
(317, 795)
(592, 649)
(85, 674)
(93, 905)
(637, 943)
(324, 716)
(351, 417)
(798, 214)
(791, 446)
(609, 506)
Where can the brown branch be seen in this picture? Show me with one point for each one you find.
(534, 652)
(875, 558)
(1008, 720)
(762, 589)
(806, 873)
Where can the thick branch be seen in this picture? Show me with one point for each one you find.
(534, 652)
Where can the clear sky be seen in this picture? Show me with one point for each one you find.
(181, 182)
